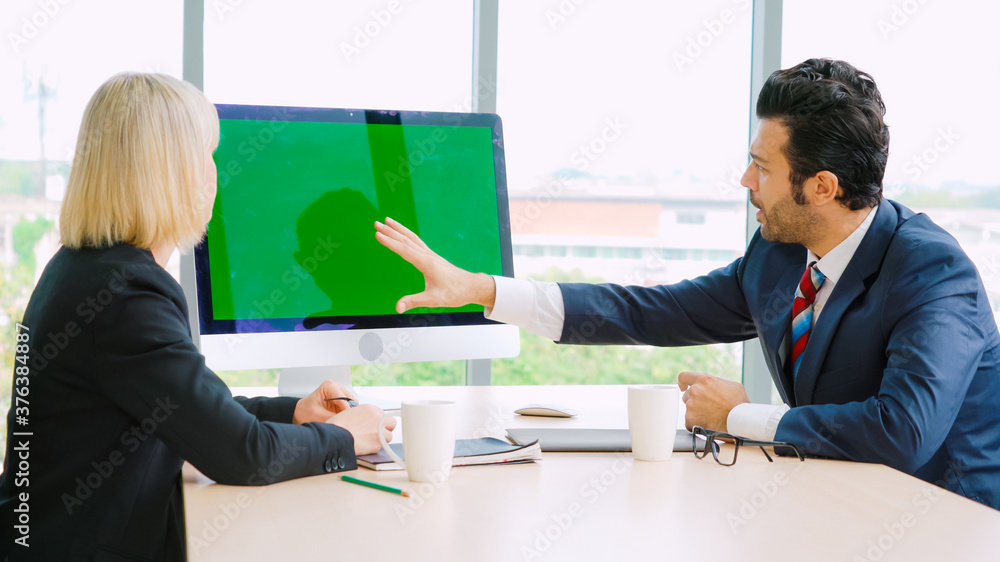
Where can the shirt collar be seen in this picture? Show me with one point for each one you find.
(833, 264)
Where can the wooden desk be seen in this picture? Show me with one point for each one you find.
(593, 506)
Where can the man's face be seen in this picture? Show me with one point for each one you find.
(781, 217)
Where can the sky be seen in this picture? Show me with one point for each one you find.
(622, 90)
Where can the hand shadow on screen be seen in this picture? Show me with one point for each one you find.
(337, 247)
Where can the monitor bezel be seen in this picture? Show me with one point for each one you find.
(209, 326)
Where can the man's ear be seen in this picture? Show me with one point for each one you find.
(826, 188)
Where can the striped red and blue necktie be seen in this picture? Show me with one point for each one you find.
(802, 312)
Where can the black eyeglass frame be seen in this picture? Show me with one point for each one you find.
(711, 435)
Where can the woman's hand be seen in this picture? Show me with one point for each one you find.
(362, 422)
(316, 407)
(444, 284)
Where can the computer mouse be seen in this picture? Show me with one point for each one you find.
(546, 410)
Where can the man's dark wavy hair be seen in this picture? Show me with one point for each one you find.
(834, 115)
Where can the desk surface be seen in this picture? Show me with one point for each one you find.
(574, 506)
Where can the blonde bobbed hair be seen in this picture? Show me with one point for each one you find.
(138, 174)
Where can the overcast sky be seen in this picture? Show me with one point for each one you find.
(665, 83)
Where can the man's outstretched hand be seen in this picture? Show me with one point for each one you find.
(444, 284)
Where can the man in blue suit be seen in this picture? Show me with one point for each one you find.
(874, 323)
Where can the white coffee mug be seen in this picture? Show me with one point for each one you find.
(428, 439)
(652, 420)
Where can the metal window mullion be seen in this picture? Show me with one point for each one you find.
(485, 16)
(765, 58)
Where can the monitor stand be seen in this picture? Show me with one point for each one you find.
(301, 381)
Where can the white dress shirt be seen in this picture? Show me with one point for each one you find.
(538, 307)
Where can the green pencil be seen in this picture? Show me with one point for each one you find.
(376, 486)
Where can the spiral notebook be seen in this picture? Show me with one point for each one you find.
(468, 452)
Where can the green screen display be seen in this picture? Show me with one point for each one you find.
(292, 235)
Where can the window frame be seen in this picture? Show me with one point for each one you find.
(765, 58)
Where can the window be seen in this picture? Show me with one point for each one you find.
(629, 253)
(721, 255)
(690, 218)
(371, 54)
(675, 254)
(54, 57)
(583, 142)
(535, 251)
(355, 54)
(937, 66)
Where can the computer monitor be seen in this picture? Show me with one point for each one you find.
(290, 274)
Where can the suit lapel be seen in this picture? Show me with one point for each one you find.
(867, 260)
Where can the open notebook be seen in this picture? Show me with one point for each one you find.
(485, 450)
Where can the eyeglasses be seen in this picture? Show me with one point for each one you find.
(727, 456)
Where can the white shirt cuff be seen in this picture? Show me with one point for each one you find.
(755, 421)
(536, 306)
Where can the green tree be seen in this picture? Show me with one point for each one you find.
(26, 235)
(16, 178)
(544, 362)
(16, 283)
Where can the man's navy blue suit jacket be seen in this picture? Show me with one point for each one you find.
(901, 366)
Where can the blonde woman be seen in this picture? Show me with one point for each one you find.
(119, 395)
